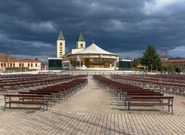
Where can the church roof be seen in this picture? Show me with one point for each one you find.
(81, 37)
(94, 49)
(61, 35)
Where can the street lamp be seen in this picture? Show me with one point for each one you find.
(150, 64)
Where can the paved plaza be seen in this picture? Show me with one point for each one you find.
(94, 110)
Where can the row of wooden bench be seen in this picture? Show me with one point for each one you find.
(8, 84)
(136, 96)
(31, 83)
(160, 85)
(46, 96)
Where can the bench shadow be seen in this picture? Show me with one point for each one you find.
(30, 109)
(137, 110)
(87, 121)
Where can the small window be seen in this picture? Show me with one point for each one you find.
(61, 44)
(35, 64)
(81, 45)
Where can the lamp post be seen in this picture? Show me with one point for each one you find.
(150, 64)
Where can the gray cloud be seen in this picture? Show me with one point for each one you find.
(31, 27)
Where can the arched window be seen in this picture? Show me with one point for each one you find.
(61, 44)
(81, 45)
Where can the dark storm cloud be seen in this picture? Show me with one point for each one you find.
(30, 28)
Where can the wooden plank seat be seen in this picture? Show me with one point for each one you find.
(128, 92)
(63, 90)
(59, 94)
(51, 96)
(145, 94)
(150, 101)
(40, 100)
(121, 90)
(66, 88)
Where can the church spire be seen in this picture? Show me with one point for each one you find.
(61, 35)
(80, 44)
(81, 37)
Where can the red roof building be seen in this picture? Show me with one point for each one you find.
(20, 63)
(176, 63)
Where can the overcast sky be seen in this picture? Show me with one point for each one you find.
(29, 28)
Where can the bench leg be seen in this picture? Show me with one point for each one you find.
(4, 107)
(10, 105)
(129, 105)
(170, 104)
(43, 109)
(47, 107)
(120, 94)
(125, 101)
(129, 108)
(172, 108)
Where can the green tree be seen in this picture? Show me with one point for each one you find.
(151, 58)
(136, 62)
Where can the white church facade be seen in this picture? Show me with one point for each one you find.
(82, 57)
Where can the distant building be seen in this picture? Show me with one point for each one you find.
(83, 57)
(21, 64)
(124, 64)
(92, 57)
(175, 63)
(44, 66)
(55, 63)
(164, 54)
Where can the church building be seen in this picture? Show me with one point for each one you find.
(82, 57)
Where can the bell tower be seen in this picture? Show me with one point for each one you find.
(81, 41)
(60, 45)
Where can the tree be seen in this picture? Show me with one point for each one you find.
(151, 58)
(136, 62)
(4, 55)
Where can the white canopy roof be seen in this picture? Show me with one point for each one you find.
(94, 49)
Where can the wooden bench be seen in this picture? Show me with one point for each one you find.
(150, 101)
(135, 96)
(19, 99)
(59, 94)
(51, 97)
